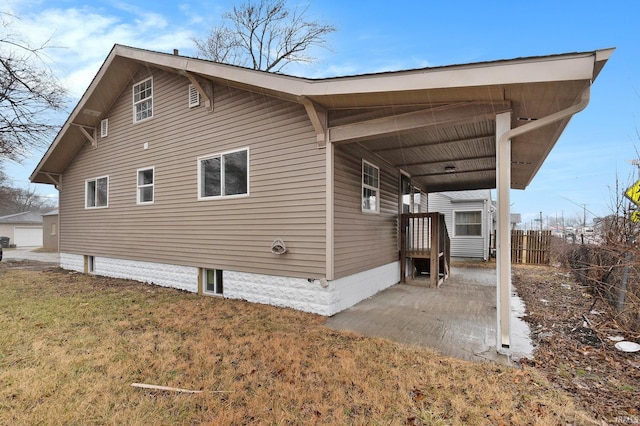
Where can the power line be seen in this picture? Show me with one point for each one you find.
(582, 206)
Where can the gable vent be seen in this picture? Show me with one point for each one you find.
(194, 96)
(104, 128)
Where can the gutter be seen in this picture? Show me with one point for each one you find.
(556, 116)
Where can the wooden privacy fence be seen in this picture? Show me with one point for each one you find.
(533, 247)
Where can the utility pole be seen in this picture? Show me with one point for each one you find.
(541, 221)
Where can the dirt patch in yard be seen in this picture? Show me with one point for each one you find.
(575, 335)
(29, 265)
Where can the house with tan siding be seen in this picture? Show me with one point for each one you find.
(283, 190)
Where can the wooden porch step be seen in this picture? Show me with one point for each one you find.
(421, 255)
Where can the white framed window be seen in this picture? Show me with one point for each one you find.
(194, 96)
(224, 175)
(146, 179)
(212, 282)
(143, 100)
(468, 223)
(370, 188)
(96, 191)
(104, 128)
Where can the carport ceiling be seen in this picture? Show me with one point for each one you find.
(445, 139)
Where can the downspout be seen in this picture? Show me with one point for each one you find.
(503, 290)
(544, 121)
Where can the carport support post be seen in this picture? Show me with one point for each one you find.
(503, 240)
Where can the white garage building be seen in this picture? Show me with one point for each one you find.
(22, 229)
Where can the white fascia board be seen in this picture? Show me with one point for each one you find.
(579, 66)
(260, 79)
(486, 74)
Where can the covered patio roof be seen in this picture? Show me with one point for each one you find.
(436, 124)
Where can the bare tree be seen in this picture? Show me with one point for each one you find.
(29, 92)
(18, 200)
(264, 35)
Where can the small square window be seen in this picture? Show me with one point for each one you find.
(143, 100)
(370, 188)
(212, 282)
(146, 178)
(468, 224)
(97, 192)
(224, 175)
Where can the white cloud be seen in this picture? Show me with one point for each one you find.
(81, 37)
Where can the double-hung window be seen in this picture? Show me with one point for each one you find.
(145, 185)
(97, 192)
(224, 175)
(370, 188)
(143, 100)
(468, 223)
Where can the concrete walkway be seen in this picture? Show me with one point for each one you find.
(28, 253)
(458, 319)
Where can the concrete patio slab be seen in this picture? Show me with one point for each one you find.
(458, 319)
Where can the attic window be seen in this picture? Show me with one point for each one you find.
(143, 100)
(194, 96)
(104, 128)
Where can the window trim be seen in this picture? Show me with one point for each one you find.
(220, 154)
(481, 223)
(370, 187)
(139, 186)
(86, 187)
(218, 290)
(135, 104)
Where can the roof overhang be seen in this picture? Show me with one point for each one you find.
(437, 124)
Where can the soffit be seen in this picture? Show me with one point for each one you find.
(467, 144)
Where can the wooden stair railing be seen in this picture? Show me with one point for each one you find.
(425, 241)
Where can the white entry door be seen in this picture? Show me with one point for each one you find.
(27, 236)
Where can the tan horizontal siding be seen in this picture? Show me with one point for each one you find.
(287, 185)
(362, 240)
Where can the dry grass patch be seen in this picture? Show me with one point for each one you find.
(72, 346)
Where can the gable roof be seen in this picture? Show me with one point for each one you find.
(426, 121)
(24, 217)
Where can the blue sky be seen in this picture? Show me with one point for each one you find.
(583, 168)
